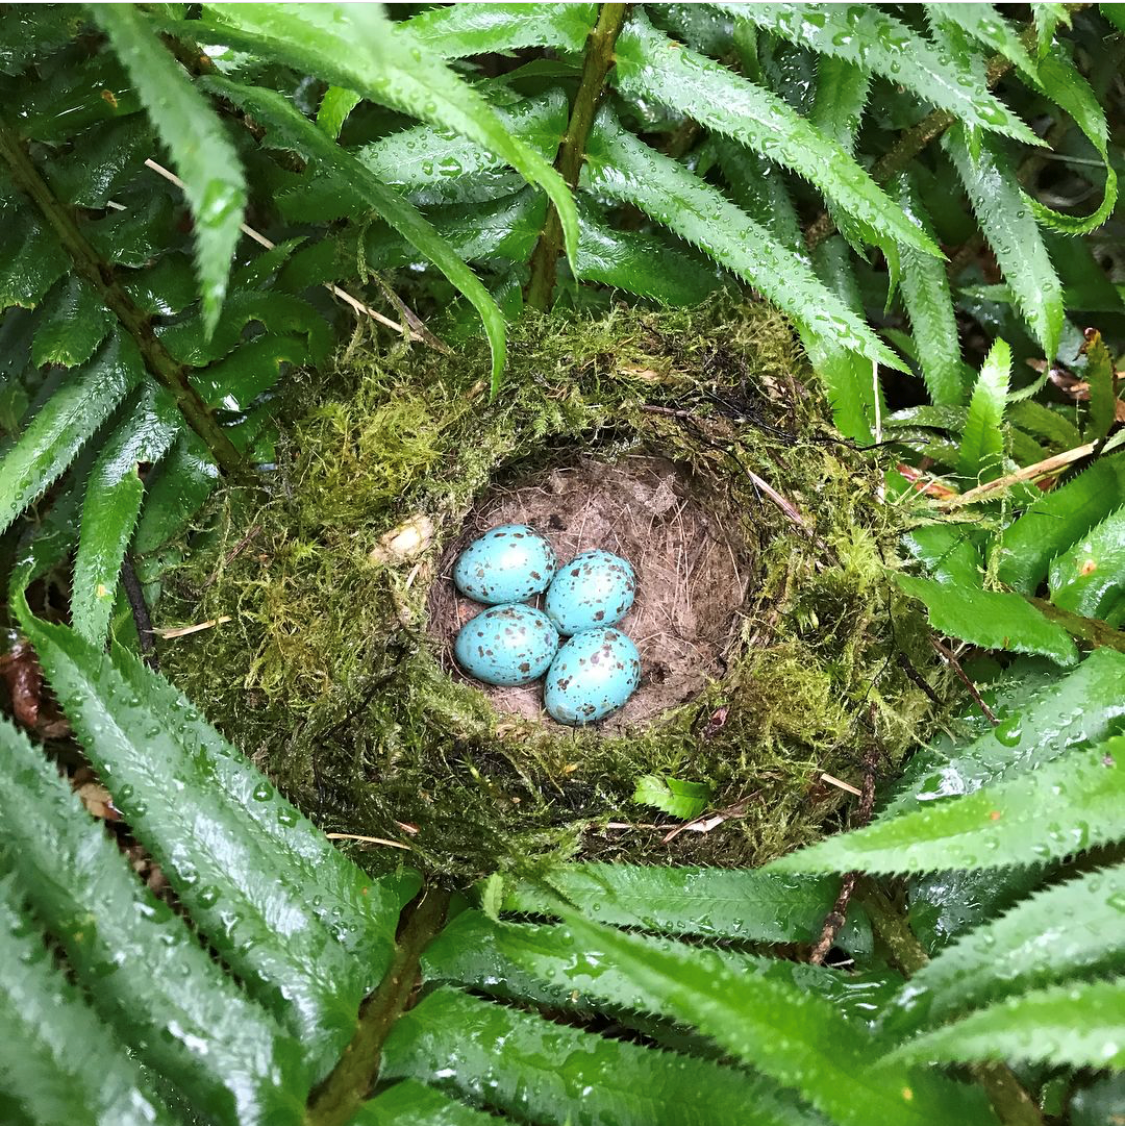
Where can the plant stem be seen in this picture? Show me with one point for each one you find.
(351, 1080)
(163, 367)
(1013, 1105)
(572, 152)
(1092, 630)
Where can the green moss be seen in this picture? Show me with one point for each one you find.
(327, 676)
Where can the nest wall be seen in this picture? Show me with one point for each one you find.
(333, 670)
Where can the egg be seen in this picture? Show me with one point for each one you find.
(509, 563)
(507, 645)
(592, 675)
(594, 589)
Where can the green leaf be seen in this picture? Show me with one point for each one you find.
(1102, 382)
(948, 553)
(650, 65)
(640, 263)
(1070, 804)
(183, 481)
(750, 906)
(101, 162)
(73, 322)
(31, 259)
(620, 166)
(56, 1060)
(841, 95)
(991, 619)
(1047, 18)
(353, 45)
(1053, 425)
(1089, 577)
(1112, 12)
(1038, 724)
(181, 1015)
(874, 40)
(929, 304)
(1013, 234)
(984, 23)
(236, 381)
(297, 132)
(139, 233)
(410, 1103)
(241, 858)
(114, 494)
(461, 30)
(335, 106)
(36, 30)
(683, 800)
(1070, 929)
(982, 440)
(1055, 522)
(794, 1037)
(64, 424)
(201, 154)
(1076, 1025)
(1062, 83)
(557, 1074)
(164, 289)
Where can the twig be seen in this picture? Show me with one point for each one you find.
(233, 553)
(367, 840)
(135, 595)
(1091, 630)
(955, 665)
(832, 780)
(572, 152)
(170, 632)
(261, 240)
(835, 918)
(1029, 472)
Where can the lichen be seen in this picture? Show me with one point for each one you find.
(326, 673)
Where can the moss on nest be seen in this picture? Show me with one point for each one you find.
(327, 675)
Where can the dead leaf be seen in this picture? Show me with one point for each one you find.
(405, 542)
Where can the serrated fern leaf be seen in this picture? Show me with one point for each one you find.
(295, 131)
(181, 1015)
(65, 423)
(1038, 724)
(1102, 382)
(337, 103)
(991, 619)
(477, 29)
(948, 553)
(351, 45)
(751, 906)
(1062, 83)
(31, 259)
(72, 323)
(875, 40)
(1089, 577)
(621, 166)
(1002, 211)
(683, 800)
(929, 304)
(114, 494)
(650, 65)
(982, 440)
(1047, 17)
(449, 1041)
(790, 1035)
(1054, 523)
(1070, 929)
(1068, 805)
(987, 25)
(243, 885)
(58, 1063)
(1080, 1025)
(200, 151)
(411, 1103)
(178, 489)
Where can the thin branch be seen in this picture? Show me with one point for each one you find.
(1042, 468)
(351, 1080)
(1091, 630)
(963, 677)
(100, 274)
(599, 58)
(135, 595)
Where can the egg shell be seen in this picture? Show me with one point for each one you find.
(594, 589)
(509, 563)
(507, 645)
(593, 674)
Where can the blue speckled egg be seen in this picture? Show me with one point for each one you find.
(507, 645)
(594, 589)
(509, 563)
(593, 674)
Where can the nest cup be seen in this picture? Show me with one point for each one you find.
(774, 645)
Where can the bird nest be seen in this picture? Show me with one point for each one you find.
(774, 647)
